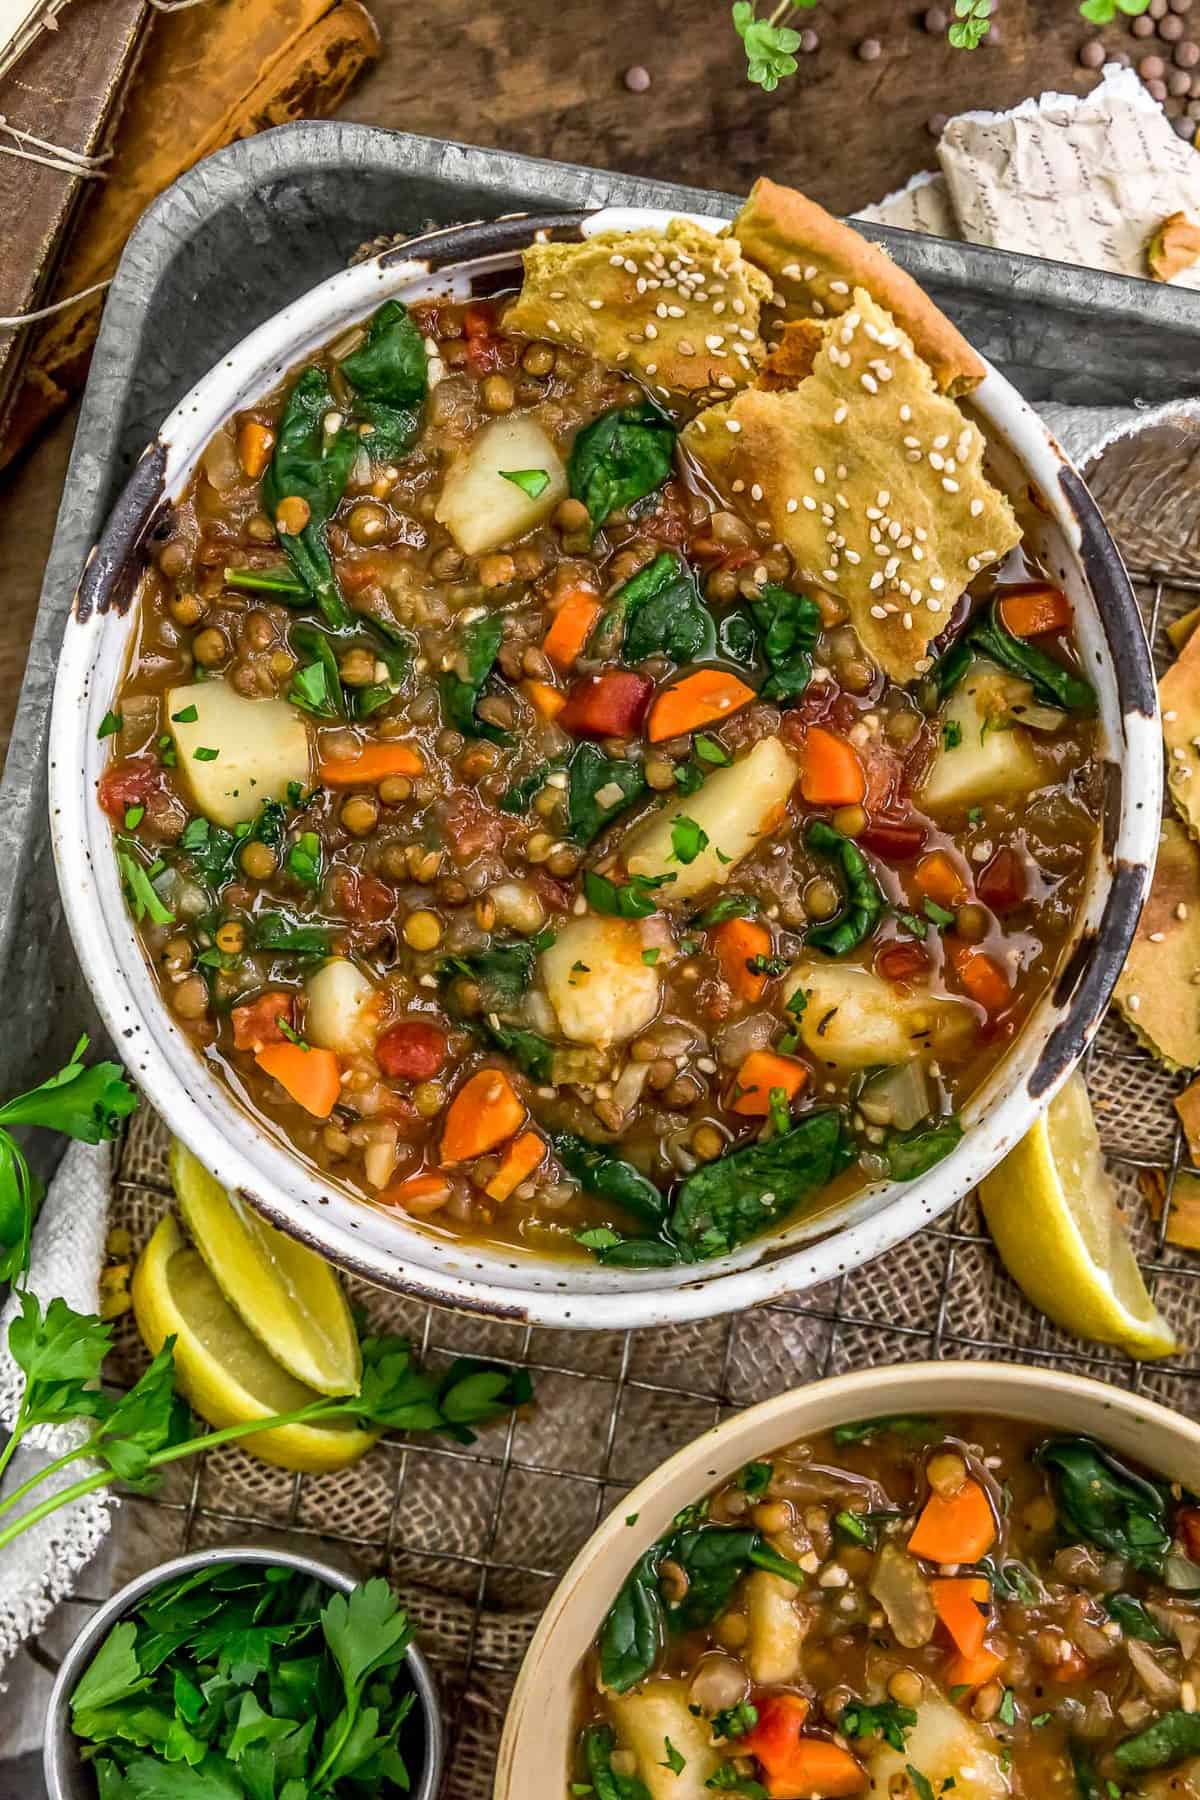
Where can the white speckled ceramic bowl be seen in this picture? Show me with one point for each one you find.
(1069, 538)
(539, 1733)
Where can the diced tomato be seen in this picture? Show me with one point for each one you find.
(256, 1022)
(472, 829)
(479, 319)
(1187, 1521)
(411, 1050)
(896, 840)
(1001, 883)
(364, 897)
(485, 351)
(883, 770)
(132, 783)
(669, 522)
(610, 705)
(902, 961)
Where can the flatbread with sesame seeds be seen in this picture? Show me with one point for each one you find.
(816, 262)
(680, 308)
(1179, 697)
(1187, 1108)
(1158, 994)
(871, 479)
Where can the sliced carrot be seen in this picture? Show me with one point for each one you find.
(735, 943)
(982, 977)
(761, 1071)
(571, 627)
(255, 443)
(833, 774)
(971, 1672)
(955, 1528)
(962, 1603)
(371, 764)
(525, 1154)
(483, 1114)
(546, 700)
(796, 1766)
(700, 699)
(311, 1076)
(418, 1194)
(939, 879)
(1034, 608)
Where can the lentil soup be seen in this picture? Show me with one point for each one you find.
(600, 789)
(908, 1607)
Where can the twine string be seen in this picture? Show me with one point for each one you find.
(52, 156)
(16, 320)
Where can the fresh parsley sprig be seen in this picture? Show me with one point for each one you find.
(770, 44)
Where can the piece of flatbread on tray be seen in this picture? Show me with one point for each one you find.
(816, 263)
(1158, 993)
(1179, 697)
(870, 477)
(679, 307)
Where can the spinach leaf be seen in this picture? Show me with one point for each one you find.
(593, 775)
(663, 614)
(389, 375)
(621, 457)
(788, 627)
(274, 931)
(864, 1431)
(1167, 1741)
(461, 695)
(518, 797)
(533, 1054)
(313, 465)
(502, 971)
(728, 1201)
(912, 1153)
(950, 668)
(633, 899)
(1102, 1502)
(1088, 1785)
(737, 639)
(632, 1634)
(599, 1743)
(729, 906)
(725, 1779)
(1132, 1617)
(611, 1178)
(715, 1558)
(286, 588)
(860, 916)
(316, 686)
(1052, 683)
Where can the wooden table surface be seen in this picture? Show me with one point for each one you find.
(547, 79)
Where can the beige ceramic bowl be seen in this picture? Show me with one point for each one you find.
(539, 1733)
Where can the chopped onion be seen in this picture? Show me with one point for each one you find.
(220, 464)
(1040, 718)
(1160, 1687)
(1181, 1573)
(627, 1090)
(902, 1591)
(898, 1097)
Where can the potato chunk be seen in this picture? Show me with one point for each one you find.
(341, 1008)
(480, 508)
(776, 1629)
(950, 1751)
(982, 756)
(735, 809)
(261, 746)
(601, 990)
(645, 1719)
(856, 1020)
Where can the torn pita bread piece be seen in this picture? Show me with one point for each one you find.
(1183, 1223)
(816, 263)
(1179, 698)
(678, 307)
(1158, 994)
(1187, 1105)
(870, 478)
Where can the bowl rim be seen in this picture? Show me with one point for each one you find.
(56, 1749)
(528, 1289)
(1001, 1389)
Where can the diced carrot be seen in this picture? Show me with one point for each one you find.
(1073, 1667)
(962, 1603)
(797, 1767)
(982, 977)
(761, 1071)
(955, 1528)
(417, 1194)
(483, 1114)
(833, 774)
(371, 764)
(257, 1022)
(1033, 608)
(255, 443)
(525, 1154)
(310, 1075)
(735, 943)
(546, 700)
(1187, 1524)
(939, 879)
(571, 628)
(700, 699)
(971, 1672)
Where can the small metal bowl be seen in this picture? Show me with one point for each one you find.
(66, 1775)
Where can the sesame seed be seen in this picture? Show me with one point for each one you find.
(1181, 911)
(808, 503)
(940, 442)
(1169, 717)
(756, 492)
(829, 575)
(905, 414)
(685, 347)
(912, 443)
(661, 309)
(809, 271)
(1156, 937)
(552, 325)
(718, 307)
(852, 556)
(839, 287)
(739, 487)
(906, 621)
(651, 330)
(732, 425)
(726, 381)
(739, 306)
(839, 412)
(792, 505)
(1134, 1002)
(912, 456)
(875, 582)
(792, 271)
(936, 460)
(617, 261)
(950, 485)
(713, 341)
(652, 368)
(818, 474)
(937, 583)
(918, 553)
(976, 508)
(878, 612)
(676, 312)
(840, 471)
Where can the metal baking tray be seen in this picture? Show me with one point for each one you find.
(250, 228)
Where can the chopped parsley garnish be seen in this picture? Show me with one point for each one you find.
(735, 1721)
(110, 724)
(937, 915)
(188, 716)
(597, 1237)
(650, 957)
(687, 840)
(755, 1478)
(133, 817)
(530, 481)
(203, 754)
(672, 1760)
(304, 859)
(710, 751)
(952, 734)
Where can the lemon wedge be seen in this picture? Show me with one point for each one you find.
(1051, 1209)
(291, 1300)
(222, 1369)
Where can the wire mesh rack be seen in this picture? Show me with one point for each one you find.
(476, 1537)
